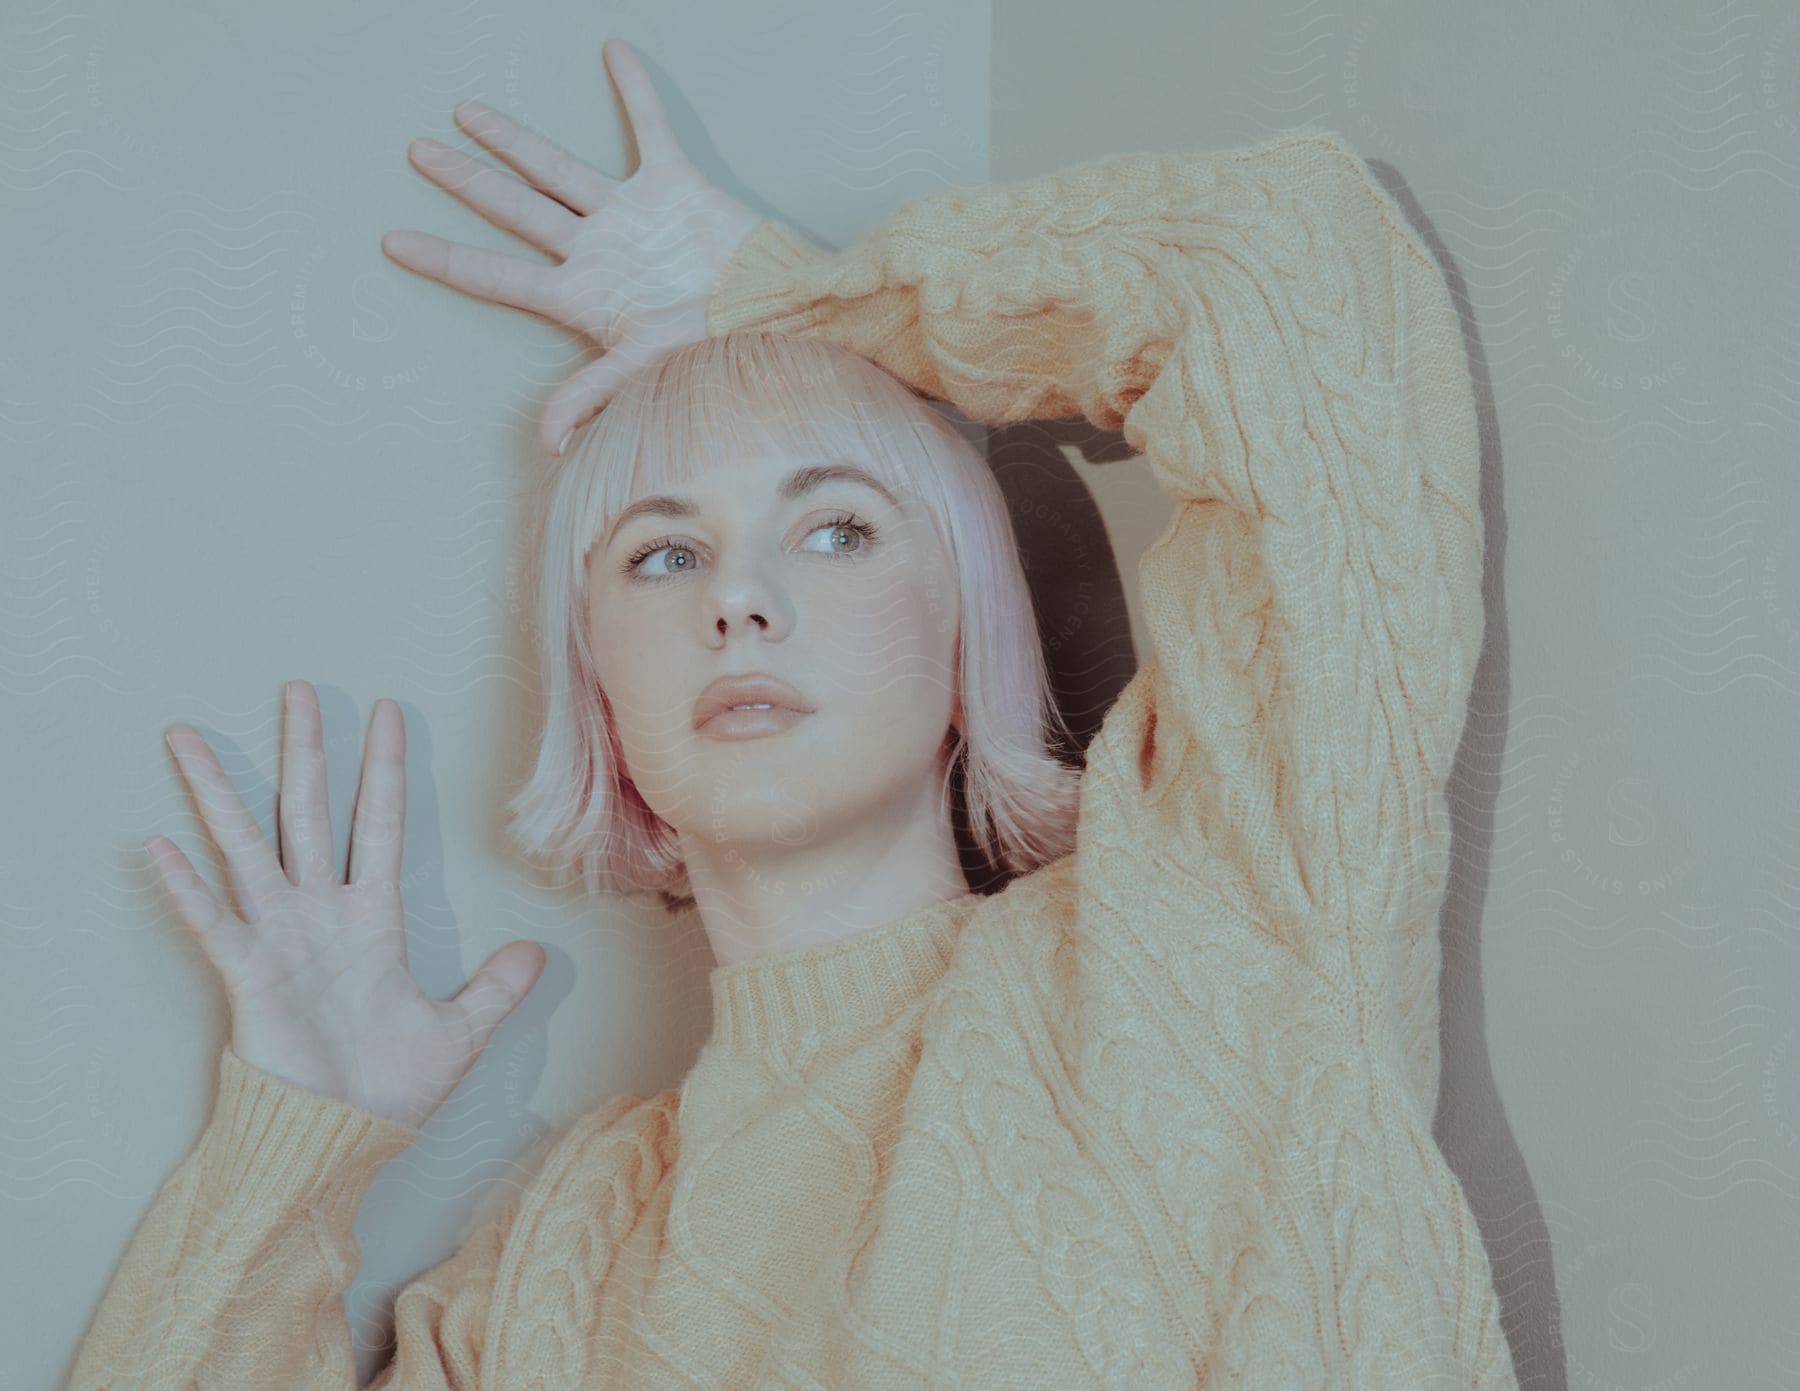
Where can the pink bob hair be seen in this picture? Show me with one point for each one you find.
(1013, 801)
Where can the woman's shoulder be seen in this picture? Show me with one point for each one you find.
(631, 1137)
(1026, 916)
(629, 1119)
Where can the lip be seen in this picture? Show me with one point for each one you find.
(747, 688)
(750, 724)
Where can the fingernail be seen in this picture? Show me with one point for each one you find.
(563, 447)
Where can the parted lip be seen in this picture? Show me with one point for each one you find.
(747, 688)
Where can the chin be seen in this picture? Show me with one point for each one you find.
(778, 810)
(751, 835)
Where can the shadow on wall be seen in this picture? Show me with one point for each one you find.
(1471, 1126)
(1084, 622)
(1077, 592)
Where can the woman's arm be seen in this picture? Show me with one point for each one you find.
(235, 1277)
(1272, 336)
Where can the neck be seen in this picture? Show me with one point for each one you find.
(758, 898)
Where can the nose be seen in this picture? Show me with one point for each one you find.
(743, 601)
(725, 625)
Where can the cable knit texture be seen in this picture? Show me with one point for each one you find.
(1157, 1115)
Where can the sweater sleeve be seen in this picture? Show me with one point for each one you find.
(1273, 337)
(235, 1277)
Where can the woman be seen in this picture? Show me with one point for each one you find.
(1156, 1114)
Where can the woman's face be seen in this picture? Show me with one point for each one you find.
(769, 575)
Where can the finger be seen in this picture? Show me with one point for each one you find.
(484, 274)
(649, 122)
(584, 394)
(252, 870)
(378, 821)
(302, 810)
(497, 196)
(201, 913)
(548, 167)
(494, 991)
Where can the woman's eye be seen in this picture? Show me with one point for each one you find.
(857, 535)
(644, 564)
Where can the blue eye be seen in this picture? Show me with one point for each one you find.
(847, 521)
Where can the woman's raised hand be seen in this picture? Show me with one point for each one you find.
(315, 966)
(638, 258)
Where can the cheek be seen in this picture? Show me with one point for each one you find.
(635, 684)
(889, 648)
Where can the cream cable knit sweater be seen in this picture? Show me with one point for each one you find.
(1158, 1115)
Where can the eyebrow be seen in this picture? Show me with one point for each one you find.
(801, 481)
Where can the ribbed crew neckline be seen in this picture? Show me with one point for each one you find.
(836, 988)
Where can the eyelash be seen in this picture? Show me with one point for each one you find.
(867, 530)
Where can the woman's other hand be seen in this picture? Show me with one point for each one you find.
(314, 962)
(638, 258)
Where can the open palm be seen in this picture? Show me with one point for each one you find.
(314, 962)
(638, 257)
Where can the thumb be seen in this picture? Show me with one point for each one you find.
(495, 990)
(585, 394)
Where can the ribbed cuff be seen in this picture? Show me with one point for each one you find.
(756, 287)
(273, 1146)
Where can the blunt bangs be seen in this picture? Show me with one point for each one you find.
(745, 394)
